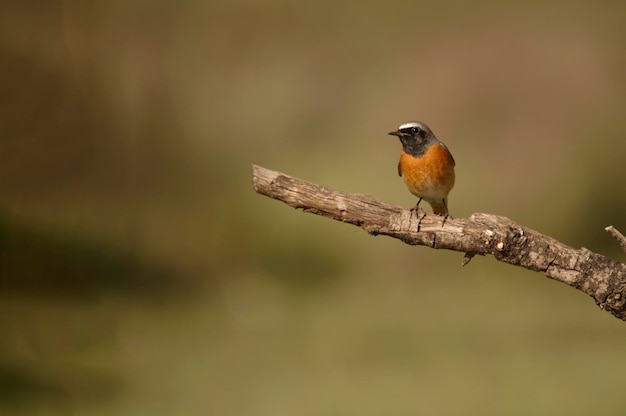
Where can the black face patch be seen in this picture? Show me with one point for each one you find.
(416, 138)
(414, 145)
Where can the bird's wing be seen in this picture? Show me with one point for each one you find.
(449, 154)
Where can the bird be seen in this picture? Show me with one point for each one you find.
(426, 165)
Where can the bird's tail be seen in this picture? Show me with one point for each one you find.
(440, 207)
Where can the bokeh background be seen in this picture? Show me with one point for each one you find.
(141, 275)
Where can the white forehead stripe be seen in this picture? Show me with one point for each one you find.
(409, 124)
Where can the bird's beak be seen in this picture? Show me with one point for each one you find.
(395, 133)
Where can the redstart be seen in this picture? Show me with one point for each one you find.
(426, 165)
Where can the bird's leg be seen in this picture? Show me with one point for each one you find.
(447, 214)
(416, 208)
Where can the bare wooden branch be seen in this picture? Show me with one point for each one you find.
(485, 234)
(618, 236)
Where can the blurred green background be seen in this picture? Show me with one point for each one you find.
(141, 275)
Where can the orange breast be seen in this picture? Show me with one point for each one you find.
(431, 176)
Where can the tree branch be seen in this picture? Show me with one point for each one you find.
(618, 236)
(601, 278)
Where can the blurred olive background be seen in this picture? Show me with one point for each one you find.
(141, 275)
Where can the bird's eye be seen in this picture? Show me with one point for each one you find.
(415, 130)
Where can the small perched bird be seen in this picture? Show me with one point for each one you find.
(426, 165)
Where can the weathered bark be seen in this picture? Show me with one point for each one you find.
(601, 278)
